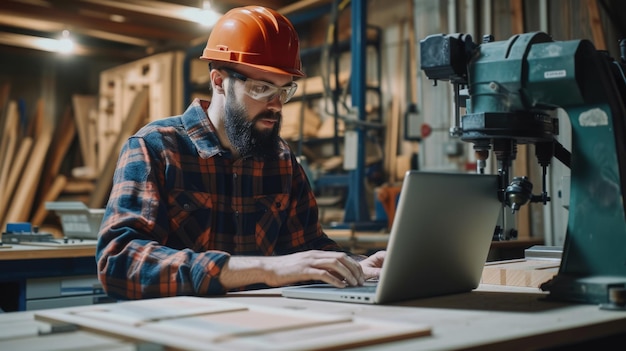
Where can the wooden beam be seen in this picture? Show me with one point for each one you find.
(83, 106)
(64, 135)
(158, 31)
(520, 165)
(8, 145)
(302, 5)
(395, 115)
(517, 16)
(51, 195)
(596, 25)
(21, 204)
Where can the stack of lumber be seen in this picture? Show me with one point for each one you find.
(34, 153)
(520, 272)
(25, 144)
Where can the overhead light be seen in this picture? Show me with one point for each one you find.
(65, 45)
(205, 16)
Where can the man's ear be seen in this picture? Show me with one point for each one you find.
(217, 80)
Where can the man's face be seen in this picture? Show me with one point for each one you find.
(251, 136)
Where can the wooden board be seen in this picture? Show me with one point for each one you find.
(22, 202)
(596, 25)
(61, 141)
(51, 195)
(517, 16)
(84, 105)
(36, 124)
(4, 100)
(52, 183)
(8, 145)
(392, 132)
(16, 171)
(196, 323)
(522, 272)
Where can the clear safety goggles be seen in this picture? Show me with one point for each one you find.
(263, 91)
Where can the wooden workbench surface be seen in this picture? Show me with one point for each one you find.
(489, 318)
(34, 252)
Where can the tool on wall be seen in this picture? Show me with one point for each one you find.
(514, 89)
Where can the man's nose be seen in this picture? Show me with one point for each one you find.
(274, 104)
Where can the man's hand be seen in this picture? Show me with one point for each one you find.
(335, 268)
(371, 266)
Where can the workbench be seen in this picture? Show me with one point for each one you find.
(23, 265)
(491, 317)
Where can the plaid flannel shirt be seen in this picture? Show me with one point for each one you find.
(180, 205)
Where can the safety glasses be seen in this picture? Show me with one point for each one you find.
(263, 91)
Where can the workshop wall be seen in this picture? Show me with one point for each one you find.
(35, 75)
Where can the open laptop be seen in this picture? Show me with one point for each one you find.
(438, 243)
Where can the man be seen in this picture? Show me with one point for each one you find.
(214, 200)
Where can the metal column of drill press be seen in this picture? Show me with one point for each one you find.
(514, 88)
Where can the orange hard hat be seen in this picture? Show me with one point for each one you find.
(258, 37)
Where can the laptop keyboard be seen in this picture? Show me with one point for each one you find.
(363, 288)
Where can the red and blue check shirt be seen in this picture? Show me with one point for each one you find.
(180, 205)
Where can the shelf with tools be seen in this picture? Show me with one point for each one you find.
(321, 119)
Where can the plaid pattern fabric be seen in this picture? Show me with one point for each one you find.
(180, 205)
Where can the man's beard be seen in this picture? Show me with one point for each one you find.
(243, 135)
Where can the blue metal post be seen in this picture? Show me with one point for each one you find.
(356, 206)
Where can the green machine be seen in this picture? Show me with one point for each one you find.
(513, 89)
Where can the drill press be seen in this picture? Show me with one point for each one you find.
(514, 88)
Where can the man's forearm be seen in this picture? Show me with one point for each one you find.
(242, 271)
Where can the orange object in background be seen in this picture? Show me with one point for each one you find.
(388, 197)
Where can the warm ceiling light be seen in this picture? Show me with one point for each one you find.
(65, 45)
(205, 16)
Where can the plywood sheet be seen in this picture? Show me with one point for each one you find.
(198, 323)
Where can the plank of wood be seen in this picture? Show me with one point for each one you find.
(64, 135)
(78, 186)
(132, 122)
(517, 16)
(22, 202)
(17, 168)
(51, 195)
(520, 167)
(522, 272)
(4, 101)
(36, 124)
(226, 325)
(83, 105)
(393, 123)
(596, 25)
(410, 148)
(315, 85)
(8, 144)
(301, 5)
